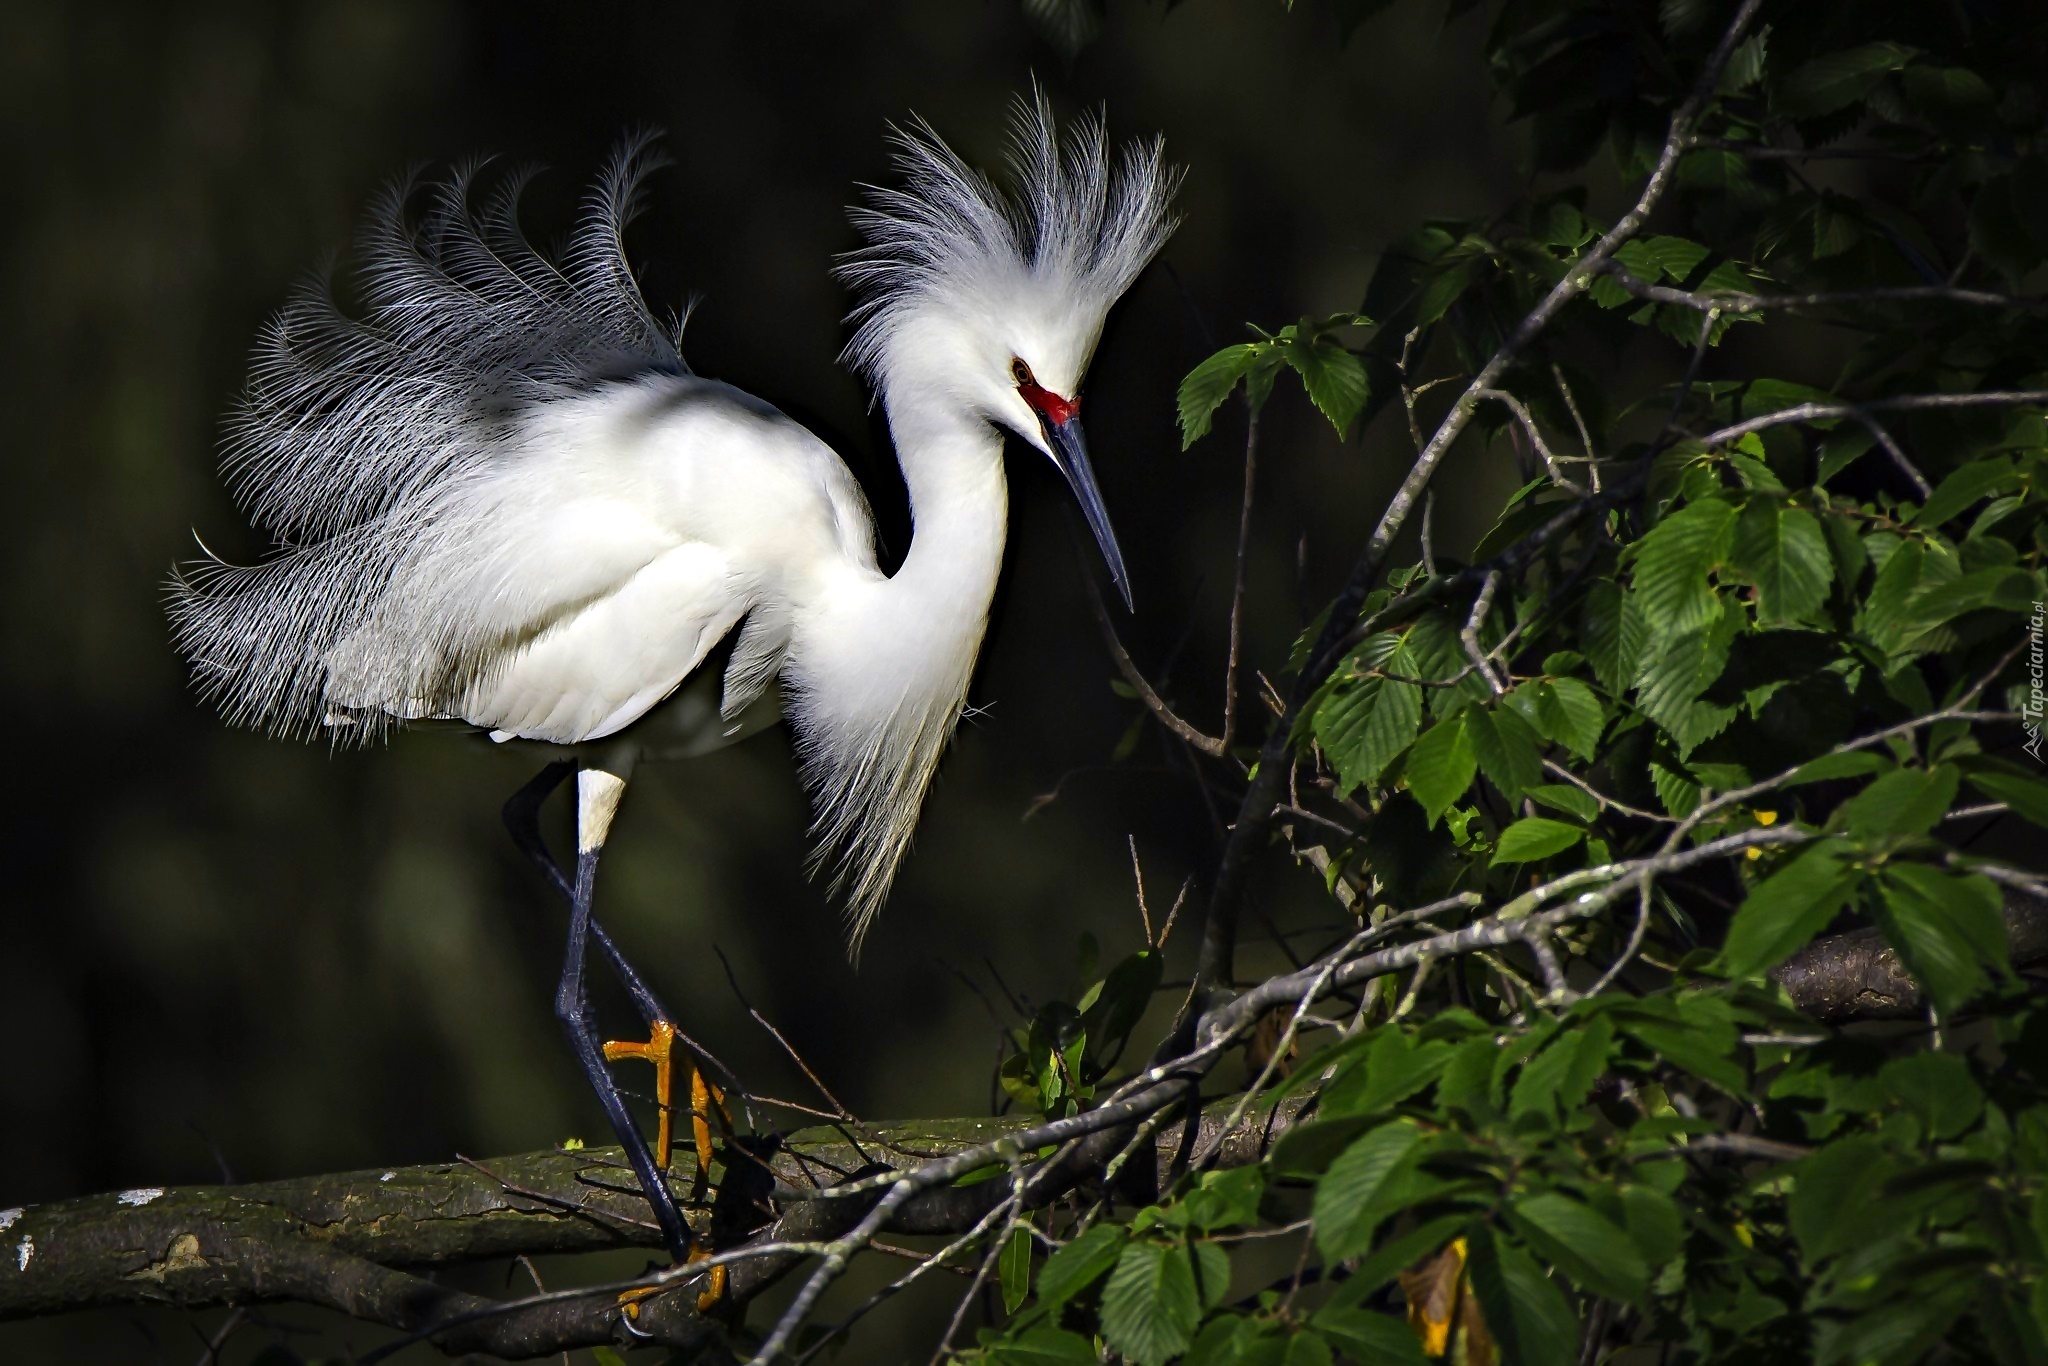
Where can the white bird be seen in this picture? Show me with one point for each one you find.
(499, 497)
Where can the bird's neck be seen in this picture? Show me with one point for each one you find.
(952, 463)
(880, 679)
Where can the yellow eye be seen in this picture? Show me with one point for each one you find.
(1019, 371)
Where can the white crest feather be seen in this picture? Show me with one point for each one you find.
(1078, 226)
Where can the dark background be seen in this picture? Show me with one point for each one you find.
(222, 953)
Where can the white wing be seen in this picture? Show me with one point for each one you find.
(500, 496)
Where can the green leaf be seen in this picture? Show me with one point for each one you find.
(1964, 487)
(2026, 796)
(1947, 929)
(1672, 564)
(1535, 837)
(1782, 550)
(1938, 1088)
(1211, 382)
(1906, 801)
(1843, 1176)
(1569, 713)
(1335, 379)
(1614, 634)
(1570, 800)
(1677, 672)
(1839, 79)
(1442, 764)
(1883, 616)
(1787, 909)
(1557, 1080)
(1592, 1250)
(1654, 1222)
(1506, 748)
(1014, 1268)
(1044, 1347)
(1212, 1273)
(1363, 725)
(1391, 1070)
(1080, 1264)
(1150, 1306)
(1850, 764)
(1366, 1336)
(1343, 1209)
(1525, 1311)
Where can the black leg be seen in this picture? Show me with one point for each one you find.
(522, 818)
(577, 1021)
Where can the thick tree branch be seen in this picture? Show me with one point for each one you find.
(1858, 976)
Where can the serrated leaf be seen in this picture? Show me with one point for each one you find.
(1362, 726)
(1210, 383)
(1839, 79)
(1343, 1208)
(1506, 747)
(1525, 1311)
(1389, 1071)
(1678, 793)
(1441, 765)
(1535, 837)
(1963, 487)
(1673, 677)
(1907, 801)
(1614, 633)
(1150, 1307)
(1782, 550)
(1787, 909)
(1335, 380)
(1080, 1264)
(1557, 1080)
(1593, 1250)
(1672, 564)
(1571, 714)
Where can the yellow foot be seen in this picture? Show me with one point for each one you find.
(703, 1098)
(659, 1050)
(714, 1279)
(631, 1300)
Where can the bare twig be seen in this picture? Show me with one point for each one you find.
(1741, 301)
(1220, 931)
(1528, 423)
(1237, 587)
(1157, 705)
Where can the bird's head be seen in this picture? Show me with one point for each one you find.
(995, 301)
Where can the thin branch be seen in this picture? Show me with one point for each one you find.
(1528, 422)
(1237, 588)
(1742, 301)
(1219, 937)
(1157, 705)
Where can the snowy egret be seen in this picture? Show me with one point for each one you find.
(500, 498)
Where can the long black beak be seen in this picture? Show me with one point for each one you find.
(1070, 453)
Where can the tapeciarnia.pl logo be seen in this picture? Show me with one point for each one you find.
(2036, 694)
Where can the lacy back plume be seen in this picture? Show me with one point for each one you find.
(357, 429)
(1077, 222)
